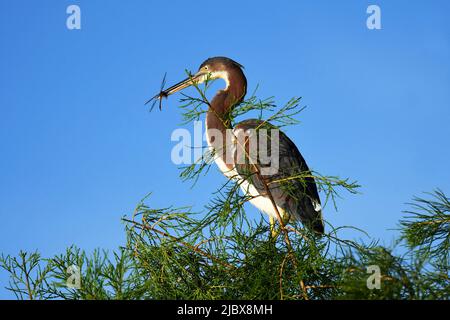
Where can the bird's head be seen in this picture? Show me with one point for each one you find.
(210, 69)
(219, 68)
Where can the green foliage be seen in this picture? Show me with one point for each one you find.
(427, 227)
(174, 253)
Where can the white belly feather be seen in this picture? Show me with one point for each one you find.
(261, 202)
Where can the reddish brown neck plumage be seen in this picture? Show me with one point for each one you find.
(225, 100)
(218, 115)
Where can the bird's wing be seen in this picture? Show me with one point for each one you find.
(289, 181)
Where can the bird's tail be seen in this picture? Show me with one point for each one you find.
(310, 214)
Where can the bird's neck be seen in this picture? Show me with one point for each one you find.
(218, 120)
(218, 117)
(219, 113)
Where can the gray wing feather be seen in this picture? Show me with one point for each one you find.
(288, 185)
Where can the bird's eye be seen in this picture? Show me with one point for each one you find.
(206, 67)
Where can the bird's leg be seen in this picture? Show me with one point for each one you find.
(285, 220)
(273, 232)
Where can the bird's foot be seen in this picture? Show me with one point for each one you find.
(274, 232)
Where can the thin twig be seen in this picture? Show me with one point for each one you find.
(183, 243)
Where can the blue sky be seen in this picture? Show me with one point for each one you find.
(78, 149)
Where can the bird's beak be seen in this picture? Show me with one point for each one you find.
(196, 78)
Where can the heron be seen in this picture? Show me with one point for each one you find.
(265, 191)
